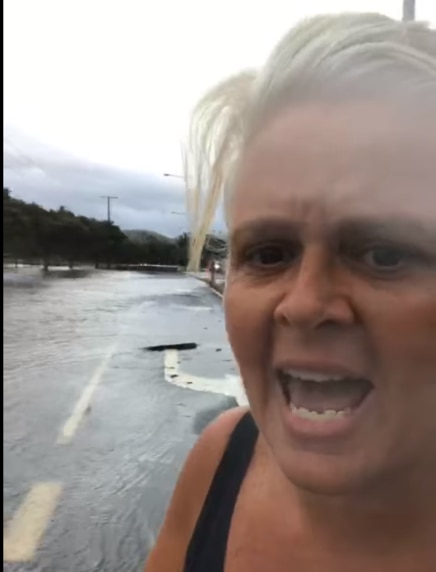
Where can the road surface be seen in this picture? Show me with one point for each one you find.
(94, 434)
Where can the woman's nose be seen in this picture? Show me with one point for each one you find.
(312, 296)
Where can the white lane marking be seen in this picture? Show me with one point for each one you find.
(28, 525)
(216, 292)
(228, 385)
(70, 427)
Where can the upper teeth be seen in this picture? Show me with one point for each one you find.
(312, 375)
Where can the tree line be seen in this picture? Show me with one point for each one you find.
(33, 234)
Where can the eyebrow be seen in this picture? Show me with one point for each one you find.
(396, 229)
(355, 228)
(265, 227)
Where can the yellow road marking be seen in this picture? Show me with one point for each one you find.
(27, 527)
(68, 430)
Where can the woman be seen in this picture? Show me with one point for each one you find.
(327, 161)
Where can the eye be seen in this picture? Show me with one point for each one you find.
(271, 255)
(385, 258)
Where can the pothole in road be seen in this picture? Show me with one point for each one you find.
(179, 347)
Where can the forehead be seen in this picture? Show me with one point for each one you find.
(327, 162)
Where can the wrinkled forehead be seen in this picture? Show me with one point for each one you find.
(321, 164)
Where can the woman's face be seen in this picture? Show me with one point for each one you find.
(331, 293)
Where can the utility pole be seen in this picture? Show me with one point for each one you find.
(408, 10)
(109, 199)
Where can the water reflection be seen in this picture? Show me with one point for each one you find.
(30, 277)
(71, 316)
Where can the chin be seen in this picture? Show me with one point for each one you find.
(336, 456)
(330, 475)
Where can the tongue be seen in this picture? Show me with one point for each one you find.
(336, 395)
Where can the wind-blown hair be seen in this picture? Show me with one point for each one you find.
(345, 55)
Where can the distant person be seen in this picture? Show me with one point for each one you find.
(327, 160)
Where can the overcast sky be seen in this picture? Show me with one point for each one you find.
(98, 92)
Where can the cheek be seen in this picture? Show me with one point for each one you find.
(403, 335)
(249, 321)
(402, 332)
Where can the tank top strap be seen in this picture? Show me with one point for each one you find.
(207, 549)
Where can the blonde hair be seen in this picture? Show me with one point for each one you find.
(329, 54)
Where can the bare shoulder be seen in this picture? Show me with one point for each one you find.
(190, 492)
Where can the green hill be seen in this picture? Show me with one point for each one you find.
(143, 236)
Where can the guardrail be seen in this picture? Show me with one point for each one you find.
(147, 268)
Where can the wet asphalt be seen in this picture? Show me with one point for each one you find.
(117, 472)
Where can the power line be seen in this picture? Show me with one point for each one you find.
(24, 159)
(19, 154)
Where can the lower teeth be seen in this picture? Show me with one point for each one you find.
(327, 415)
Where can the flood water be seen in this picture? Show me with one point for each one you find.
(67, 316)
(117, 474)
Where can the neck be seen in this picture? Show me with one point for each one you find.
(400, 512)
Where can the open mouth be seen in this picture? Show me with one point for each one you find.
(323, 397)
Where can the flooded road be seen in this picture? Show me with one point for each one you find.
(94, 436)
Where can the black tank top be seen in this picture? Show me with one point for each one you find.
(207, 549)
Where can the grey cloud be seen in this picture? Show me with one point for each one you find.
(35, 172)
